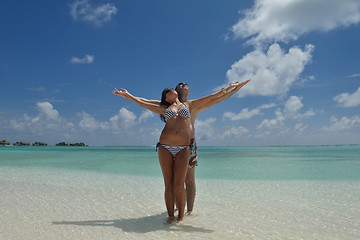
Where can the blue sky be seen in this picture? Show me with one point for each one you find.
(60, 60)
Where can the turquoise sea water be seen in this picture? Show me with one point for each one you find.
(255, 193)
(235, 163)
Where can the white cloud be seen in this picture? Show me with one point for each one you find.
(272, 73)
(299, 128)
(84, 10)
(123, 120)
(48, 120)
(344, 123)
(355, 75)
(204, 128)
(235, 132)
(47, 110)
(273, 123)
(291, 110)
(266, 106)
(47, 125)
(245, 113)
(308, 113)
(348, 100)
(293, 106)
(155, 132)
(145, 115)
(88, 122)
(279, 20)
(87, 59)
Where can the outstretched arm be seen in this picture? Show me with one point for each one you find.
(196, 103)
(212, 99)
(150, 101)
(151, 105)
(226, 95)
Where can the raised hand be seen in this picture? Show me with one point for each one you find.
(121, 92)
(243, 83)
(234, 84)
(238, 84)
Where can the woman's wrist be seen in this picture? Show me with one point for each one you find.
(128, 96)
(230, 87)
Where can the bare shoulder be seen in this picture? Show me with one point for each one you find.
(190, 103)
(194, 105)
(187, 104)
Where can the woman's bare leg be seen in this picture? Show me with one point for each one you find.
(180, 169)
(167, 168)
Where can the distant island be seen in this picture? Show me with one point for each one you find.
(4, 143)
(60, 144)
(67, 144)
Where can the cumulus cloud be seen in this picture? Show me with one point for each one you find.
(245, 113)
(84, 10)
(87, 59)
(272, 73)
(235, 132)
(342, 124)
(145, 115)
(48, 125)
(273, 123)
(123, 120)
(278, 20)
(348, 99)
(88, 122)
(204, 128)
(291, 110)
(47, 120)
(293, 106)
(47, 110)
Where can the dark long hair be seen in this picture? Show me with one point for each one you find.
(163, 97)
(164, 102)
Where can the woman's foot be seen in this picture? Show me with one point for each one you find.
(180, 218)
(170, 220)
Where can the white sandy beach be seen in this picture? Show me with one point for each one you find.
(58, 204)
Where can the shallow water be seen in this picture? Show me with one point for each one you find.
(242, 193)
(236, 163)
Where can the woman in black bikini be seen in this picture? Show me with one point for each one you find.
(174, 149)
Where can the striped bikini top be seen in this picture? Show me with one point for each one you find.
(183, 111)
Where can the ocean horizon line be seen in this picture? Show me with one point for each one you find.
(228, 146)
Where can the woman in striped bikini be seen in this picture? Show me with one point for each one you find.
(174, 145)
